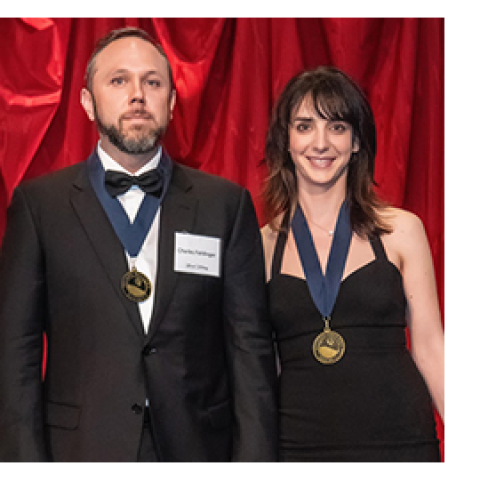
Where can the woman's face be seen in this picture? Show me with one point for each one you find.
(320, 149)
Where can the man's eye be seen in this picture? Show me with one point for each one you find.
(154, 83)
(117, 81)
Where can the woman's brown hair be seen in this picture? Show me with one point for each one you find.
(335, 97)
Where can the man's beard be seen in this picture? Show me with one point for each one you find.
(142, 141)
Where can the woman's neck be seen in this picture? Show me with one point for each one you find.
(321, 207)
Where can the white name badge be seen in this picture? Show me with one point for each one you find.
(197, 254)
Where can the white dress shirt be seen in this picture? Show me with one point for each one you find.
(146, 261)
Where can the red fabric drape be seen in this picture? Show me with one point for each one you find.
(228, 72)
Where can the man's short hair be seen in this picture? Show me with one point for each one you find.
(117, 35)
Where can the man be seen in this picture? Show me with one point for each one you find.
(158, 342)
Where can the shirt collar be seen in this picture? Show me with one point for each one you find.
(109, 163)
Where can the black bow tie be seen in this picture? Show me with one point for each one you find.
(117, 183)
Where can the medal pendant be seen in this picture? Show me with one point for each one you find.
(136, 286)
(328, 347)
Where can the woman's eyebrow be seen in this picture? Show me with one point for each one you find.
(302, 119)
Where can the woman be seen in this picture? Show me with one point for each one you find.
(350, 390)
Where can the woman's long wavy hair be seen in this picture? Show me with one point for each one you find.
(335, 97)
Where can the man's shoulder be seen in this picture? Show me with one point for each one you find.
(55, 179)
(205, 181)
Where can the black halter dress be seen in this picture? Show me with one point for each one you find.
(373, 405)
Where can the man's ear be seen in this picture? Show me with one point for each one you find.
(173, 99)
(86, 99)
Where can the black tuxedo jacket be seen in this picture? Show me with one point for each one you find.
(206, 363)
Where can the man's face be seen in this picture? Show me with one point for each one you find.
(131, 98)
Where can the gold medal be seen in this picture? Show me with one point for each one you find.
(136, 286)
(328, 347)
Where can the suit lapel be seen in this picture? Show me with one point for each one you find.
(104, 241)
(178, 215)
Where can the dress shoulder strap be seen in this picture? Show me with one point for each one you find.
(378, 248)
(280, 245)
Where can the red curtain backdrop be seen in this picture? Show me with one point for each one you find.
(228, 73)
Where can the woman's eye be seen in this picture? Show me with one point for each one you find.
(339, 127)
(302, 127)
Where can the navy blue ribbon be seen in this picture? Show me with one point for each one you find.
(131, 235)
(323, 288)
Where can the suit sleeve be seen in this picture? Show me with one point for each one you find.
(249, 341)
(22, 309)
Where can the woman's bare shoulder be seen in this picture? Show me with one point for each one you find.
(408, 240)
(269, 239)
(402, 222)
